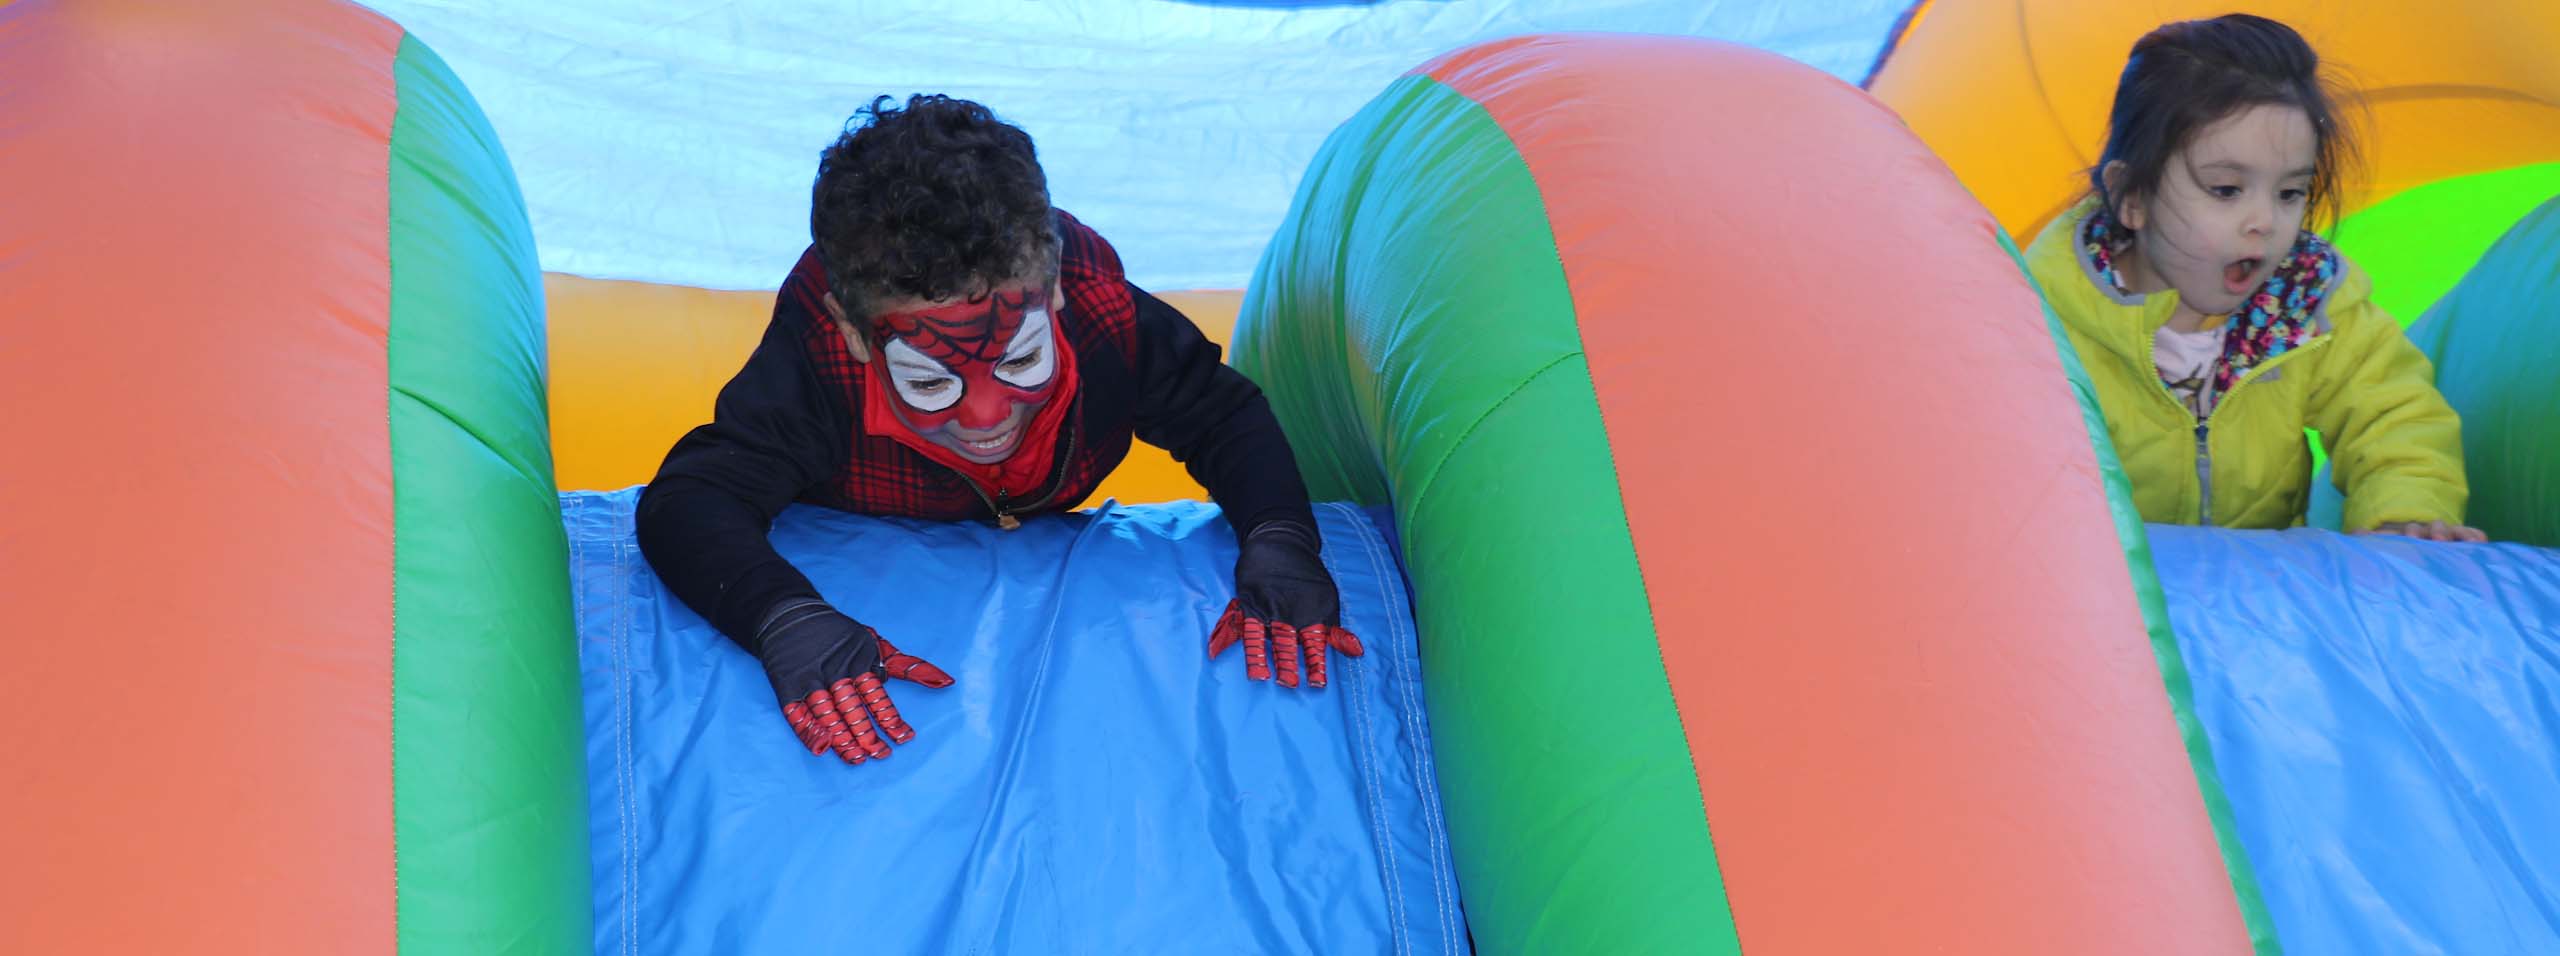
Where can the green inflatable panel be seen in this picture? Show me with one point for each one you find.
(1412, 324)
(2417, 244)
(488, 765)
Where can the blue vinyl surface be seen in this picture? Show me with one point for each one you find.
(1092, 784)
(2386, 717)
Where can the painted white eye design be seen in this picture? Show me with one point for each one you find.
(920, 380)
(1027, 360)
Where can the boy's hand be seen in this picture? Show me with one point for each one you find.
(2433, 531)
(825, 668)
(1283, 597)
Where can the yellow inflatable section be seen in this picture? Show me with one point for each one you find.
(634, 365)
(2014, 94)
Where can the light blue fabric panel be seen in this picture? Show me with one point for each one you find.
(675, 141)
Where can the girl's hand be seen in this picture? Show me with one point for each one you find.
(2433, 531)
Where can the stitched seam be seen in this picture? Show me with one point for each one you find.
(1373, 545)
(627, 775)
(1423, 489)
(392, 725)
(1376, 794)
(1387, 855)
(1436, 832)
(1724, 887)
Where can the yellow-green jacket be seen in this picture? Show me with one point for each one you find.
(2395, 446)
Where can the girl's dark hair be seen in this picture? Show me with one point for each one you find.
(935, 201)
(2188, 75)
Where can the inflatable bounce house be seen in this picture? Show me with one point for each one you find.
(1704, 612)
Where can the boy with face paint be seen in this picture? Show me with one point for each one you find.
(2215, 327)
(951, 347)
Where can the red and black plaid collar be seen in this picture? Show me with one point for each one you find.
(884, 476)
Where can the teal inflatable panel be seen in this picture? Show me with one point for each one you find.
(2495, 342)
(2385, 714)
(1092, 783)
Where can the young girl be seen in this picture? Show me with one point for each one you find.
(2215, 328)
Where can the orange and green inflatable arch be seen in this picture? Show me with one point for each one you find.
(1567, 303)
(329, 703)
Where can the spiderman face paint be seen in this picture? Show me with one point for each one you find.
(970, 376)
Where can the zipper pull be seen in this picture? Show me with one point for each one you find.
(1004, 511)
(2204, 474)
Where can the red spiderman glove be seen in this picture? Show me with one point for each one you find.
(825, 668)
(1285, 606)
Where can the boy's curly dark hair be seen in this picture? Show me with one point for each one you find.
(935, 201)
(2188, 75)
